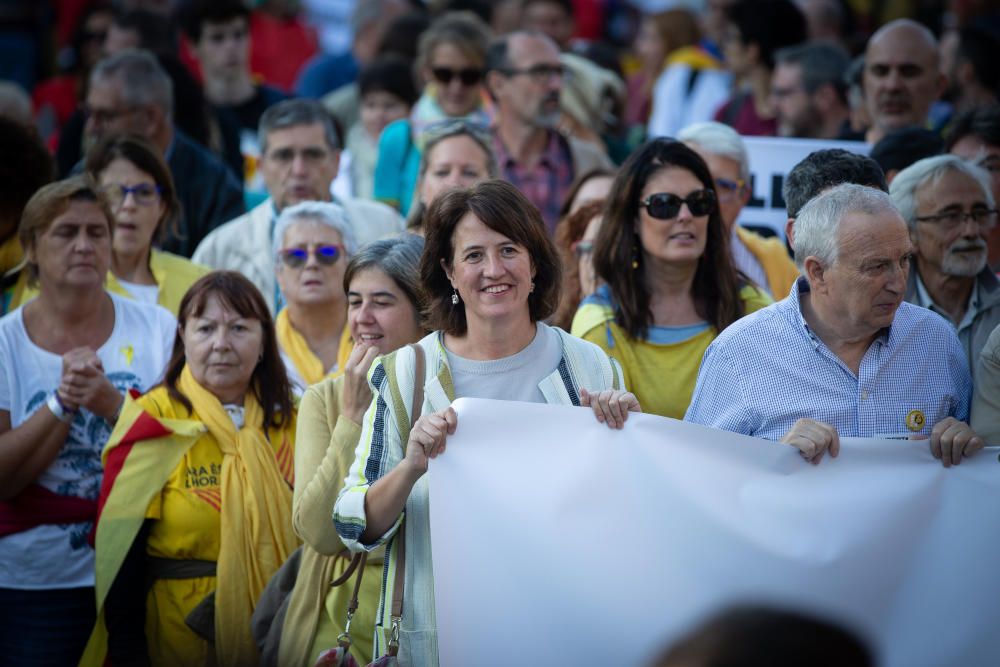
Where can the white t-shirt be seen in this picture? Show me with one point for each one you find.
(134, 357)
(143, 293)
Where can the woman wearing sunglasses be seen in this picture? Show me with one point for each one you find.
(312, 243)
(451, 56)
(138, 186)
(670, 284)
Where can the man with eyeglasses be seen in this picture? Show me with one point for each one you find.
(300, 157)
(843, 355)
(524, 77)
(975, 136)
(949, 209)
(129, 92)
(764, 261)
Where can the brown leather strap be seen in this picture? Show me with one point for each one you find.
(351, 567)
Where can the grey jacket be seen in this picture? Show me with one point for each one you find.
(974, 337)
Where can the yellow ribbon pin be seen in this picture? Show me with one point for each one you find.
(915, 420)
(128, 352)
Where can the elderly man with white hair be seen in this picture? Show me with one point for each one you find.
(948, 205)
(313, 242)
(854, 360)
(765, 261)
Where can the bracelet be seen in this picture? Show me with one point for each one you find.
(58, 409)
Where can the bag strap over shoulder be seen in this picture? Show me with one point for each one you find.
(358, 562)
(419, 378)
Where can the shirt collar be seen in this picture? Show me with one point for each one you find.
(801, 287)
(972, 308)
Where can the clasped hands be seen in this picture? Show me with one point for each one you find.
(84, 385)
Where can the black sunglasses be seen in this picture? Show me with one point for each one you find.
(665, 206)
(468, 77)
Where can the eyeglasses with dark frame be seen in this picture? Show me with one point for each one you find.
(326, 254)
(106, 116)
(144, 194)
(983, 217)
(469, 76)
(539, 73)
(666, 205)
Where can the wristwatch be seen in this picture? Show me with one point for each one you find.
(61, 412)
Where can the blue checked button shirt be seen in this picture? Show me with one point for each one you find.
(768, 370)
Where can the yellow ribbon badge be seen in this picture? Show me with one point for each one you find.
(915, 420)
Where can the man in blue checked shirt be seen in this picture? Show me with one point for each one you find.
(842, 355)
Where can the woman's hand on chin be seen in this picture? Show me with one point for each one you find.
(356, 395)
(610, 406)
(428, 438)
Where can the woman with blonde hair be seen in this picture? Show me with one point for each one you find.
(67, 359)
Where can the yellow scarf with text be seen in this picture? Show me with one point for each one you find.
(257, 534)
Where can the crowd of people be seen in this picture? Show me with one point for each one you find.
(250, 253)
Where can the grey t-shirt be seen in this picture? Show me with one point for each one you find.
(513, 378)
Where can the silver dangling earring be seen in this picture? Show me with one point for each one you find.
(454, 296)
(532, 289)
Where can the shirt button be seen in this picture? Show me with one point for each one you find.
(864, 395)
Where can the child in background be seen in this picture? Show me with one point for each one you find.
(387, 92)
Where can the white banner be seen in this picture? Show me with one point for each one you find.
(770, 159)
(558, 541)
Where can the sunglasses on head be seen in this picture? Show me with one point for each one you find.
(469, 77)
(665, 206)
(326, 255)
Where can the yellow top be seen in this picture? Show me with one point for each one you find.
(173, 274)
(11, 254)
(779, 268)
(662, 376)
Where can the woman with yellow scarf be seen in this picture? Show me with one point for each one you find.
(312, 243)
(197, 492)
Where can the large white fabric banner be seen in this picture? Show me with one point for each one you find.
(558, 541)
(771, 158)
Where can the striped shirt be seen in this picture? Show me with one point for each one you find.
(547, 183)
(769, 369)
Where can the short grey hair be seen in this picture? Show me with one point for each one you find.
(143, 82)
(295, 112)
(817, 226)
(720, 140)
(327, 213)
(925, 173)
